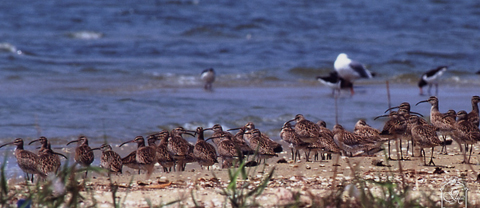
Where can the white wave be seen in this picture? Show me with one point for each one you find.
(7, 47)
(86, 35)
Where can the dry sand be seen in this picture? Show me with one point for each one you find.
(300, 177)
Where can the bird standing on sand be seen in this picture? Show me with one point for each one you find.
(431, 78)
(466, 132)
(204, 152)
(444, 124)
(110, 160)
(145, 155)
(26, 160)
(83, 153)
(425, 136)
(350, 70)
(48, 159)
(163, 156)
(208, 76)
(473, 116)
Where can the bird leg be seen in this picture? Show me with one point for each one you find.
(424, 160)
(431, 158)
(292, 153)
(389, 158)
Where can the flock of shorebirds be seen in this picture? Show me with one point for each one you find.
(301, 135)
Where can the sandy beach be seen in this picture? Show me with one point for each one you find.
(313, 181)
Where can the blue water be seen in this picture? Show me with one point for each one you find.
(119, 69)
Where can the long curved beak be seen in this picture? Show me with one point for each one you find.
(72, 142)
(193, 135)
(423, 101)
(207, 129)
(234, 129)
(131, 141)
(391, 109)
(60, 155)
(380, 117)
(418, 114)
(6, 144)
(33, 141)
(290, 121)
(96, 148)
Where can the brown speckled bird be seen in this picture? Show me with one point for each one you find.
(48, 159)
(445, 125)
(473, 116)
(264, 148)
(26, 160)
(466, 132)
(289, 135)
(277, 147)
(179, 148)
(83, 153)
(145, 155)
(226, 148)
(425, 136)
(204, 152)
(110, 160)
(164, 158)
(352, 144)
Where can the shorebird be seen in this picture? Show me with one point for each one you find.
(131, 161)
(208, 76)
(430, 78)
(335, 82)
(466, 133)
(26, 160)
(48, 159)
(145, 155)
(350, 70)
(352, 144)
(473, 115)
(179, 148)
(204, 153)
(262, 146)
(444, 124)
(394, 128)
(326, 140)
(404, 110)
(83, 153)
(307, 130)
(289, 135)
(164, 158)
(240, 142)
(310, 132)
(226, 148)
(110, 160)
(277, 148)
(425, 136)
(364, 130)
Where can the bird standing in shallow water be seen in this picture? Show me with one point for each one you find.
(83, 153)
(110, 160)
(431, 78)
(26, 160)
(350, 70)
(335, 82)
(208, 76)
